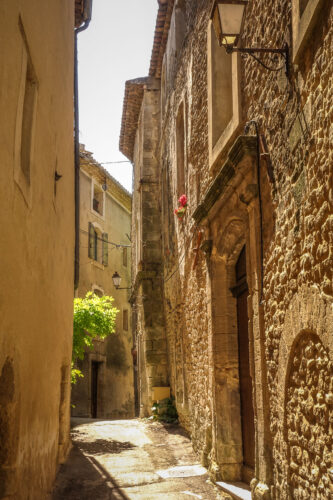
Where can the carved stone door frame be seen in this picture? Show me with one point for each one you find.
(229, 214)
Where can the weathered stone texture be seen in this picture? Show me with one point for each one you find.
(295, 116)
(292, 313)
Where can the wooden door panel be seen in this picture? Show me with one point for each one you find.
(245, 379)
(94, 388)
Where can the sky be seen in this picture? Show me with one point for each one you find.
(116, 47)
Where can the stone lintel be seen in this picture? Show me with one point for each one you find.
(243, 146)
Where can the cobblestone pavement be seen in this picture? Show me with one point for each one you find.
(132, 460)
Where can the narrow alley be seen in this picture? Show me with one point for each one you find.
(132, 460)
(166, 209)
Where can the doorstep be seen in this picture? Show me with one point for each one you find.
(239, 491)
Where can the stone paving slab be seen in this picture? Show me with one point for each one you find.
(132, 460)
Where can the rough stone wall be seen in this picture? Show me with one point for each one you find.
(186, 300)
(295, 118)
(147, 296)
(36, 244)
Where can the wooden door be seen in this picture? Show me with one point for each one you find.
(245, 379)
(94, 388)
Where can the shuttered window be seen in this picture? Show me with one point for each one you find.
(105, 249)
(91, 242)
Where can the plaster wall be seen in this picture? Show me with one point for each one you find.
(115, 385)
(36, 245)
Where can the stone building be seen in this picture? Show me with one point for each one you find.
(233, 301)
(37, 240)
(106, 390)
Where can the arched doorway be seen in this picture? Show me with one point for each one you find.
(240, 292)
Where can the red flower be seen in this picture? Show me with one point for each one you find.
(183, 200)
(176, 211)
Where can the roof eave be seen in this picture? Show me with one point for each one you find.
(134, 90)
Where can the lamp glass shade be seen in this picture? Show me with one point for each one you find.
(215, 17)
(116, 280)
(230, 18)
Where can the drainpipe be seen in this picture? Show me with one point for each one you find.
(87, 19)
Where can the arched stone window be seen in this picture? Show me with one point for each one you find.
(97, 290)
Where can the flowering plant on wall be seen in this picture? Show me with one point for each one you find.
(182, 204)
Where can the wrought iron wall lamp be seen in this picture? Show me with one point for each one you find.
(228, 18)
(116, 278)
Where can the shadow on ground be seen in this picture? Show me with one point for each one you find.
(102, 446)
(84, 478)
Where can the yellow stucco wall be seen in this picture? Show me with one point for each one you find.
(36, 246)
(115, 378)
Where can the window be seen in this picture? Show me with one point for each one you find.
(138, 242)
(180, 24)
(95, 243)
(98, 292)
(25, 125)
(304, 13)
(98, 199)
(180, 148)
(125, 320)
(125, 256)
(163, 86)
(98, 245)
(174, 46)
(223, 96)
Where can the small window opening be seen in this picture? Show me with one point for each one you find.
(180, 21)
(180, 144)
(98, 200)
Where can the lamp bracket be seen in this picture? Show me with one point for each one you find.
(284, 52)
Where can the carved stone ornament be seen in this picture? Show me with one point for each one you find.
(243, 146)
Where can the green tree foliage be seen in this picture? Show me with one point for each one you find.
(94, 317)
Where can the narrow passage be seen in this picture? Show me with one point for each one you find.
(132, 460)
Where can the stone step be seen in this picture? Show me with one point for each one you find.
(239, 491)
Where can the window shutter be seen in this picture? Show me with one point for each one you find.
(105, 259)
(91, 241)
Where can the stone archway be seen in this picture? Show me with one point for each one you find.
(229, 425)
(231, 217)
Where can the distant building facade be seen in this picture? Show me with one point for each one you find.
(244, 337)
(107, 389)
(37, 240)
